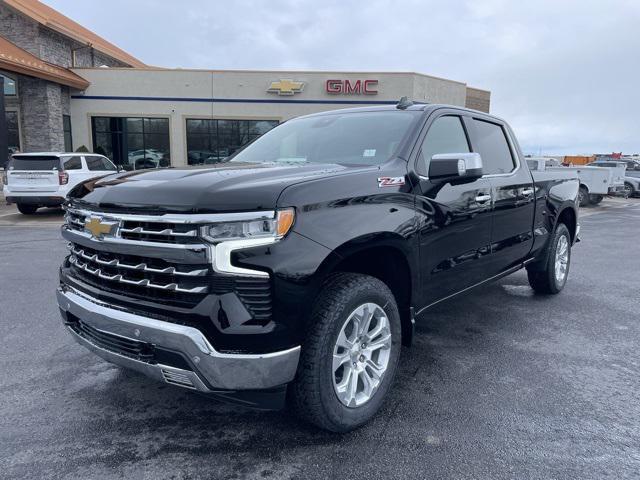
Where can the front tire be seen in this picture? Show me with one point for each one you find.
(552, 277)
(629, 190)
(583, 197)
(27, 209)
(350, 353)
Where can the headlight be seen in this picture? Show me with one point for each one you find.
(276, 227)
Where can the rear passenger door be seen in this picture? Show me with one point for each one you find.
(512, 193)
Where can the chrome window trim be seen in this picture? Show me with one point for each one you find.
(512, 149)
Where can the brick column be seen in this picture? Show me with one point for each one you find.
(41, 109)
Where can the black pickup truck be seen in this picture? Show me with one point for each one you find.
(294, 270)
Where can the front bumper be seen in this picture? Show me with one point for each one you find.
(201, 367)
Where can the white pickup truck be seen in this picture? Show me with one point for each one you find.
(595, 182)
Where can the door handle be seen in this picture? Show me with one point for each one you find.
(527, 191)
(483, 198)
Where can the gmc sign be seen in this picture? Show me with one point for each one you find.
(352, 87)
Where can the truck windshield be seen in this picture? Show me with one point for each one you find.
(366, 138)
(31, 162)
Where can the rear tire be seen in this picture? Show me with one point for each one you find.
(551, 277)
(595, 199)
(27, 209)
(629, 190)
(343, 397)
(583, 197)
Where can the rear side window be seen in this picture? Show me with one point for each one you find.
(445, 135)
(491, 143)
(94, 163)
(72, 163)
(34, 163)
(107, 165)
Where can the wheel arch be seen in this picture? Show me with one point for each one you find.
(568, 217)
(384, 256)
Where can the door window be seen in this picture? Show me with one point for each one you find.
(490, 142)
(107, 165)
(94, 163)
(445, 135)
(72, 163)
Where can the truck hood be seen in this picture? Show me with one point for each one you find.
(224, 187)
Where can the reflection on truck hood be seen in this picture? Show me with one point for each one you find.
(220, 188)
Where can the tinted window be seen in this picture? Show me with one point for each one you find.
(34, 163)
(445, 135)
(107, 165)
(94, 163)
(367, 138)
(132, 142)
(72, 163)
(491, 143)
(212, 141)
(66, 129)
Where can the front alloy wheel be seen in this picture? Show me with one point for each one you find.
(350, 353)
(361, 355)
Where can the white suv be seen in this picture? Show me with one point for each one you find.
(33, 180)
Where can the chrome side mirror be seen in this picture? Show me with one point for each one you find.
(455, 166)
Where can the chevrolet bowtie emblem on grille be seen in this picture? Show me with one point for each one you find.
(98, 227)
(285, 87)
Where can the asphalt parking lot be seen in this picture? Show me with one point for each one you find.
(499, 384)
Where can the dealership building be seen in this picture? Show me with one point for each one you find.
(66, 88)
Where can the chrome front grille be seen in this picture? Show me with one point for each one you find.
(138, 228)
(96, 257)
(146, 273)
(162, 259)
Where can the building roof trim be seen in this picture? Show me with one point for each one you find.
(56, 21)
(15, 59)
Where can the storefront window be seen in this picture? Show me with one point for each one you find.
(132, 142)
(66, 128)
(211, 141)
(13, 132)
(9, 86)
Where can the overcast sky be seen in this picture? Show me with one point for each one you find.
(565, 74)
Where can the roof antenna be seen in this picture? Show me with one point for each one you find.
(404, 103)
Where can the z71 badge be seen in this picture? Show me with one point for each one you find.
(390, 181)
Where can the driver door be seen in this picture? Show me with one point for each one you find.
(455, 220)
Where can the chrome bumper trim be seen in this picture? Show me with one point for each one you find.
(219, 370)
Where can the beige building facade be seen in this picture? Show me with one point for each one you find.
(145, 117)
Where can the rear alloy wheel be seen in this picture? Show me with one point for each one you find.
(552, 276)
(350, 353)
(628, 189)
(583, 197)
(27, 209)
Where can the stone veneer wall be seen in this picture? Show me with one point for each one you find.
(42, 103)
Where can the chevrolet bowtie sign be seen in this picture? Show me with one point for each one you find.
(285, 87)
(98, 227)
